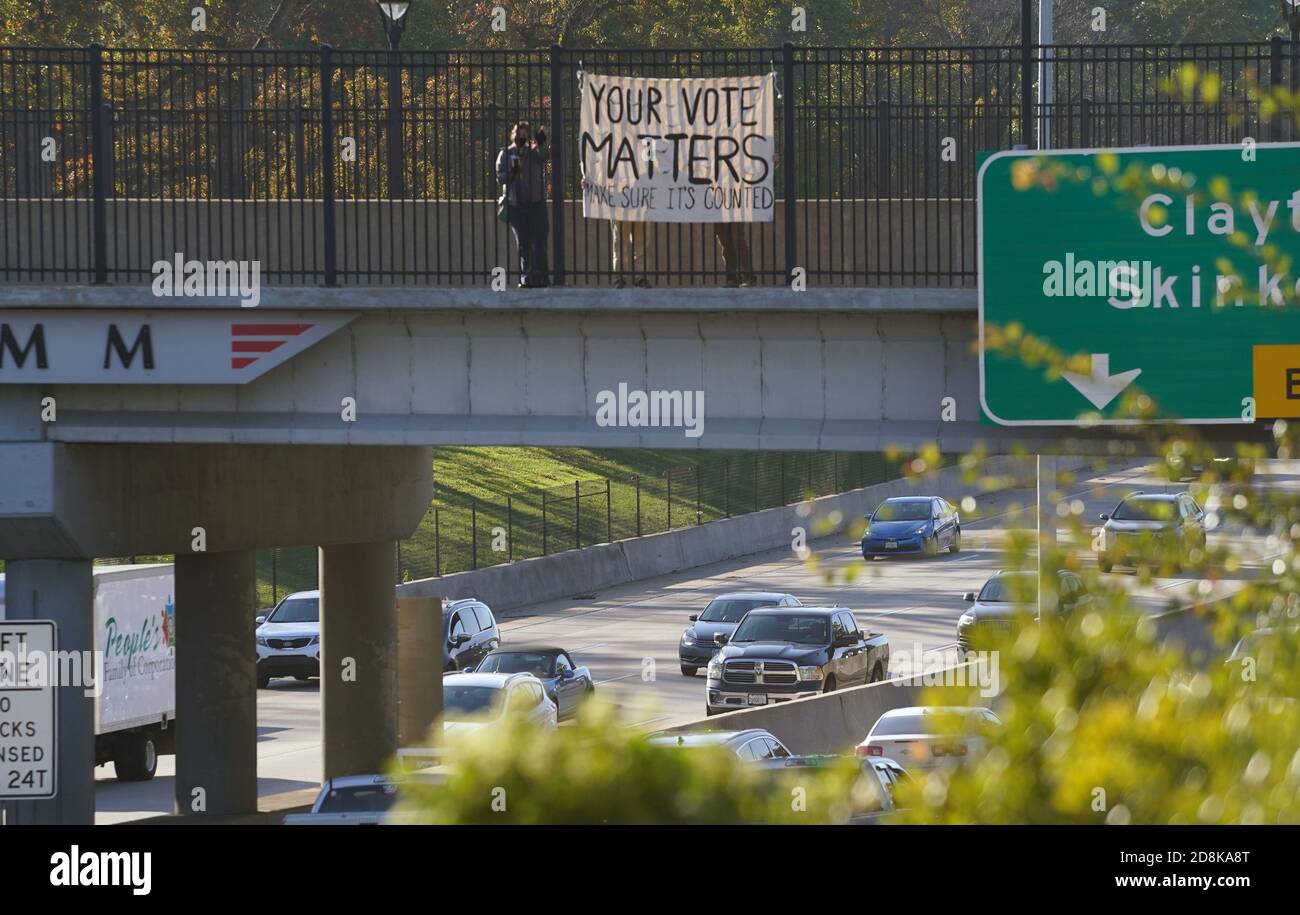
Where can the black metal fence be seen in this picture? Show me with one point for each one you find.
(368, 167)
(459, 535)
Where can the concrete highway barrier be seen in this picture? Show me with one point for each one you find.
(829, 723)
(594, 568)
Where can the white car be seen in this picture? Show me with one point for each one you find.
(288, 641)
(360, 800)
(917, 737)
(473, 701)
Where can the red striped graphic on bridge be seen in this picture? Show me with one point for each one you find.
(268, 337)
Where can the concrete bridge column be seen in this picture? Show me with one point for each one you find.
(216, 684)
(419, 670)
(358, 609)
(61, 590)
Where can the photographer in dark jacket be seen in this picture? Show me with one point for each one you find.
(521, 169)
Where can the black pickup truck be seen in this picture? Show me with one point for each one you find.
(782, 653)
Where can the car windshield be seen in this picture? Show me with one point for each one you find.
(537, 663)
(1144, 510)
(462, 702)
(783, 627)
(903, 510)
(296, 610)
(730, 610)
(360, 799)
(1006, 588)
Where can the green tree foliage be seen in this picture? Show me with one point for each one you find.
(621, 23)
(603, 771)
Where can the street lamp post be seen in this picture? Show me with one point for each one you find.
(393, 16)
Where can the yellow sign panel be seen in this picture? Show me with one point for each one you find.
(1277, 381)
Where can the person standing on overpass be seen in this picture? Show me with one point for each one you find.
(521, 170)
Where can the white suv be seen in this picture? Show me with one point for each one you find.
(288, 641)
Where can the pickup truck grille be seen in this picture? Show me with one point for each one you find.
(774, 673)
(288, 643)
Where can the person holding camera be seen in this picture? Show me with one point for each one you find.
(521, 171)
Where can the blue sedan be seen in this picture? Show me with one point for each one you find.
(912, 524)
(567, 685)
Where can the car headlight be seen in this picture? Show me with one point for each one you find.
(261, 641)
(810, 673)
(965, 620)
(688, 637)
(315, 640)
(714, 669)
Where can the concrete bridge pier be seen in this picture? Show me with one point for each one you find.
(358, 676)
(73, 500)
(60, 590)
(216, 684)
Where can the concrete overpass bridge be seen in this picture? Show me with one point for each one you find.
(129, 422)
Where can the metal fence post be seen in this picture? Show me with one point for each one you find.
(300, 151)
(726, 487)
(396, 182)
(577, 515)
(609, 513)
(399, 560)
(699, 511)
(781, 497)
(1085, 123)
(328, 228)
(544, 531)
(637, 478)
(101, 153)
(788, 160)
(669, 477)
(1027, 73)
(275, 575)
(1274, 81)
(557, 166)
(437, 543)
(473, 533)
(883, 140)
(510, 529)
(755, 481)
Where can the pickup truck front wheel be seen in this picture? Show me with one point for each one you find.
(136, 757)
(829, 687)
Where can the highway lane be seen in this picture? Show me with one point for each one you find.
(628, 635)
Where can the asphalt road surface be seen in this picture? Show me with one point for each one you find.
(628, 635)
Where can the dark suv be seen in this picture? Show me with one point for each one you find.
(469, 632)
(1151, 528)
(722, 615)
(782, 653)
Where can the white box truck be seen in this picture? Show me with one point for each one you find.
(135, 629)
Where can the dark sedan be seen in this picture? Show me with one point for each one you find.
(921, 525)
(1152, 528)
(567, 684)
(1008, 602)
(698, 644)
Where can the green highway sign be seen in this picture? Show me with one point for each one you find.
(1172, 272)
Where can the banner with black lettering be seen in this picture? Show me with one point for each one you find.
(677, 150)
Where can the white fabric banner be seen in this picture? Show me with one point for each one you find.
(677, 150)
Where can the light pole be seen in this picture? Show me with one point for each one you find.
(1046, 85)
(393, 16)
